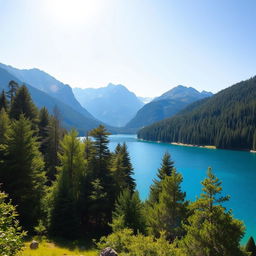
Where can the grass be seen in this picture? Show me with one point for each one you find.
(51, 249)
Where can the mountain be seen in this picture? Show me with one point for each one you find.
(48, 84)
(226, 120)
(167, 105)
(113, 104)
(69, 116)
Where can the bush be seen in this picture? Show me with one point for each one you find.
(127, 244)
(10, 231)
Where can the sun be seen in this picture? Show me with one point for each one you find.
(72, 12)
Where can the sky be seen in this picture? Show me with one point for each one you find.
(150, 46)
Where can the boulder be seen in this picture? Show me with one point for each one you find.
(108, 252)
(34, 245)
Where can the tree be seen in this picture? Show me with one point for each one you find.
(3, 101)
(13, 87)
(250, 247)
(4, 125)
(128, 212)
(102, 153)
(170, 211)
(122, 169)
(23, 175)
(23, 104)
(166, 169)
(211, 230)
(52, 142)
(11, 240)
(64, 220)
(43, 133)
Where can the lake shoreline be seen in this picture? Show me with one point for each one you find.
(198, 146)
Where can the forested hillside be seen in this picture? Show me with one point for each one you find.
(166, 105)
(226, 120)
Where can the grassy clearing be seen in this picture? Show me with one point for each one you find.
(50, 249)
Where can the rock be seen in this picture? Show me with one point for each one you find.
(108, 252)
(34, 245)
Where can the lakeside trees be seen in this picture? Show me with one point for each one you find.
(79, 189)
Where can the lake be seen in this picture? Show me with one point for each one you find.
(236, 169)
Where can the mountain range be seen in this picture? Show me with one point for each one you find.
(225, 120)
(43, 94)
(113, 104)
(166, 105)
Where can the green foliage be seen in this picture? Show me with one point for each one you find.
(250, 247)
(53, 135)
(64, 219)
(4, 126)
(11, 235)
(226, 120)
(23, 174)
(168, 213)
(23, 104)
(211, 230)
(13, 87)
(43, 132)
(127, 244)
(122, 170)
(128, 212)
(3, 101)
(166, 169)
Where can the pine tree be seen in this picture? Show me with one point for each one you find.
(170, 211)
(13, 87)
(102, 153)
(122, 169)
(250, 247)
(52, 143)
(67, 188)
(4, 125)
(43, 125)
(128, 212)
(3, 101)
(23, 176)
(211, 230)
(166, 169)
(23, 104)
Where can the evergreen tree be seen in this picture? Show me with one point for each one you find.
(122, 169)
(43, 125)
(250, 247)
(64, 220)
(3, 101)
(23, 177)
(13, 87)
(52, 142)
(211, 230)
(102, 153)
(23, 104)
(170, 211)
(128, 212)
(4, 126)
(166, 169)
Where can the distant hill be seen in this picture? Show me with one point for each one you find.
(113, 104)
(69, 116)
(48, 84)
(167, 105)
(226, 120)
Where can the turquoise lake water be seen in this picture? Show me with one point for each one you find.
(236, 169)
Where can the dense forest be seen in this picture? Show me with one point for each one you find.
(72, 188)
(226, 120)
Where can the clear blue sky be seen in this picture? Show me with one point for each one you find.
(149, 46)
